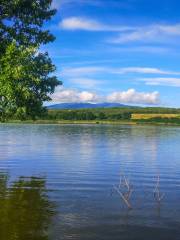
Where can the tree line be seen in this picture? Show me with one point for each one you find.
(86, 115)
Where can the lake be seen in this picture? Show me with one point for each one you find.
(56, 182)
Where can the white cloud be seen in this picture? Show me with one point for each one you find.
(151, 33)
(70, 95)
(86, 24)
(81, 71)
(170, 29)
(91, 77)
(62, 3)
(85, 82)
(172, 82)
(146, 33)
(137, 35)
(144, 49)
(85, 96)
(143, 70)
(75, 72)
(75, 23)
(130, 96)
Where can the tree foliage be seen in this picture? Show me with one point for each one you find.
(24, 82)
(22, 21)
(86, 114)
(26, 79)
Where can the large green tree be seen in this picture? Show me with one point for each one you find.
(26, 79)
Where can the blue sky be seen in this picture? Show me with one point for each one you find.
(123, 51)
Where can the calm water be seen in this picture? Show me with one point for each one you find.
(56, 181)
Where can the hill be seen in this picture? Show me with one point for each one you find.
(85, 105)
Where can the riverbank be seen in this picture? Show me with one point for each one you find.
(113, 116)
(112, 122)
(71, 122)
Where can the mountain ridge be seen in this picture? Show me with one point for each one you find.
(85, 105)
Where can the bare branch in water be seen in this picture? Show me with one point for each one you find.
(124, 189)
(157, 194)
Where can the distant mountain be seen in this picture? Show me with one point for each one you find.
(85, 105)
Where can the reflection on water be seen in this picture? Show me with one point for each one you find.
(25, 210)
(81, 164)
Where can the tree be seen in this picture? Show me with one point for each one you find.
(26, 79)
(102, 116)
(25, 82)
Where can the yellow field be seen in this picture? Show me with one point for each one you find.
(137, 116)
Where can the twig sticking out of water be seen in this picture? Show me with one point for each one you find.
(124, 189)
(157, 194)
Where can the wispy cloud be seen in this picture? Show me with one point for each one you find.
(143, 70)
(86, 83)
(89, 71)
(152, 33)
(142, 49)
(149, 33)
(86, 24)
(145, 33)
(131, 96)
(172, 82)
(91, 77)
(97, 3)
(66, 3)
(82, 71)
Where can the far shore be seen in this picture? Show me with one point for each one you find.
(93, 122)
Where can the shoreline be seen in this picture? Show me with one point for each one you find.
(92, 122)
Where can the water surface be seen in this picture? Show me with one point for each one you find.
(56, 182)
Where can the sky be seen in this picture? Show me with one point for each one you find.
(125, 51)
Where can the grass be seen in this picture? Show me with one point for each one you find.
(137, 116)
(128, 122)
(93, 122)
